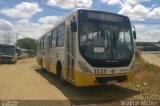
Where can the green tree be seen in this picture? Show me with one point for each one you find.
(27, 43)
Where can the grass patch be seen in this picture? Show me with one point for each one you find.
(146, 73)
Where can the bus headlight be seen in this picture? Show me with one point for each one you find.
(84, 68)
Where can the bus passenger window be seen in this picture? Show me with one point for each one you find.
(54, 38)
(61, 36)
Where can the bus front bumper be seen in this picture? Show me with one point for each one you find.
(7, 59)
(83, 79)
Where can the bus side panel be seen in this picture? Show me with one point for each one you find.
(41, 58)
(44, 65)
(61, 58)
(56, 55)
(53, 60)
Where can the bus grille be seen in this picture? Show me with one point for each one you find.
(104, 80)
(5, 59)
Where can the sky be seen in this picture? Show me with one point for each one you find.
(32, 18)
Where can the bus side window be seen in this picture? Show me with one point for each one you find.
(45, 42)
(49, 41)
(37, 44)
(60, 35)
(40, 44)
(54, 38)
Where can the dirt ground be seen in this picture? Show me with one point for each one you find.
(26, 81)
(151, 58)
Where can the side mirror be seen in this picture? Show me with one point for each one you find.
(134, 34)
(73, 26)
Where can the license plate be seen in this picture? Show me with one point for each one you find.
(100, 71)
(112, 82)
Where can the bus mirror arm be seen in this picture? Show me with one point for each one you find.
(134, 32)
(73, 24)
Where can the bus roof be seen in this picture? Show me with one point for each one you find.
(72, 13)
(7, 45)
(60, 22)
(24, 49)
(98, 11)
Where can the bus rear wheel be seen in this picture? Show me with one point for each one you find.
(41, 64)
(60, 74)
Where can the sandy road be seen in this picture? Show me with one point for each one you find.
(21, 81)
(151, 58)
(25, 81)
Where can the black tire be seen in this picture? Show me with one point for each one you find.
(14, 62)
(43, 69)
(60, 74)
(41, 63)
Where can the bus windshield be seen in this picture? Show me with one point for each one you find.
(7, 50)
(31, 52)
(103, 41)
(105, 36)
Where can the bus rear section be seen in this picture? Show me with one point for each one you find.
(8, 53)
(23, 53)
(31, 53)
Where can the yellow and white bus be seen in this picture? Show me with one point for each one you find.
(89, 47)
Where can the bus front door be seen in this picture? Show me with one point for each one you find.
(70, 55)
